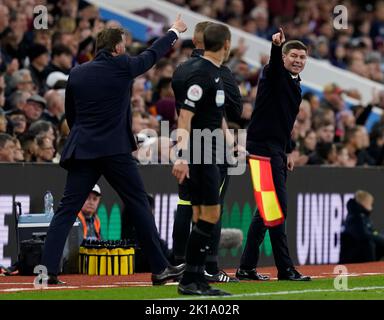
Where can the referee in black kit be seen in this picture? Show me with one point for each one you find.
(183, 217)
(202, 110)
(97, 109)
(269, 134)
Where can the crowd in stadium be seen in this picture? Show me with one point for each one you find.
(35, 64)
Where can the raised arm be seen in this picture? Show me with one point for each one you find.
(144, 61)
(276, 64)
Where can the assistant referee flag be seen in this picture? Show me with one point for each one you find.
(264, 191)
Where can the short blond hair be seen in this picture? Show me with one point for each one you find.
(198, 34)
(361, 195)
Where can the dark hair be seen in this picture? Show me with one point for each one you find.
(377, 133)
(109, 38)
(40, 126)
(162, 63)
(60, 49)
(215, 36)
(350, 134)
(339, 146)
(294, 44)
(4, 137)
(323, 149)
(308, 96)
(40, 141)
(164, 82)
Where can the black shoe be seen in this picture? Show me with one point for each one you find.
(293, 275)
(221, 276)
(169, 273)
(200, 289)
(53, 279)
(252, 274)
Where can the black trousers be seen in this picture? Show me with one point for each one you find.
(183, 218)
(122, 174)
(257, 229)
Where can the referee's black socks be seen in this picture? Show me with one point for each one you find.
(197, 247)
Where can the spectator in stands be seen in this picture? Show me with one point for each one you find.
(17, 100)
(34, 107)
(61, 60)
(18, 153)
(354, 142)
(376, 147)
(90, 222)
(29, 146)
(325, 154)
(43, 129)
(39, 59)
(322, 115)
(303, 119)
(241, 73)
(332, 98)
(19, 122)
(342, 157)
(308, 144)
(345, 120)
(139, 91)
(137, 123)
(7, 147)
(4, 18)
(43, 37)
(3, 122)
(45, 150)
(162, 69)
(22, 80)
(325, 132)
(55, 107)
(151, 122)
(2, 91)
(321, 51)
(165, 105)
(360, 242)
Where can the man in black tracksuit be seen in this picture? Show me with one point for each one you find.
(269, 134)
(359, 241)
(183, 217)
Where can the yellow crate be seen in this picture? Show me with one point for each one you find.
(104, 261)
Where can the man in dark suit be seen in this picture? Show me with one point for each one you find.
(269, 134)
(97, 106)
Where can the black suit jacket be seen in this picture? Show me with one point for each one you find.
(97, 102)
(277, 105)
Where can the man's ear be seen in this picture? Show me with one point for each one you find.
(227, 45)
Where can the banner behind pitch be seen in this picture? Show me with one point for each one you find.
(316, 206)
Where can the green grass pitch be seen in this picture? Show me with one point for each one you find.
(359, 288)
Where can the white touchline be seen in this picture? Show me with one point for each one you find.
(276, 293)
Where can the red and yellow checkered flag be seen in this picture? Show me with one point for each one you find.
(264, 190)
